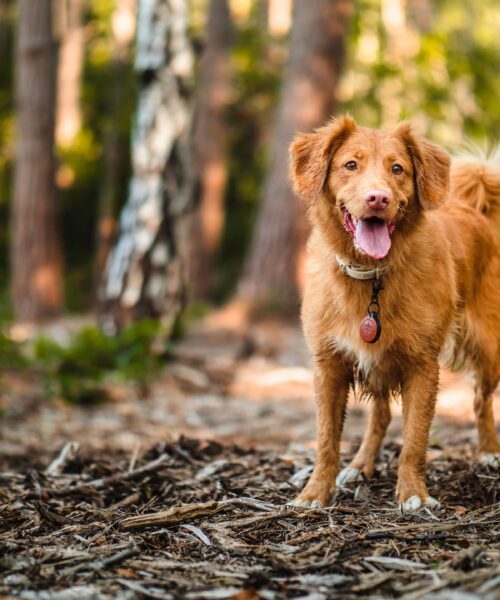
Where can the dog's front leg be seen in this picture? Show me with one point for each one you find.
(419, 393)
(331, 386)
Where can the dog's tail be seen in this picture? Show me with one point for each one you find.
(475, 180)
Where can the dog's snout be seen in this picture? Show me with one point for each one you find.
(377, 199)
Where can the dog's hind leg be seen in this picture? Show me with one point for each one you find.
(364, 460)
(489, 448)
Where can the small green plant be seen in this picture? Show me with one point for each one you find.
(81, 371)
(11, 354)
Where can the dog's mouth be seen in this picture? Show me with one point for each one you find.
(371, 235)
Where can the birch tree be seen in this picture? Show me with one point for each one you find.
(143, 277)
(36, 255)
(312, 72)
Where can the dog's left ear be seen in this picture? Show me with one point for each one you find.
(432, 168)
(311, 153)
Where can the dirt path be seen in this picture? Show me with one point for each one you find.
(69, 532)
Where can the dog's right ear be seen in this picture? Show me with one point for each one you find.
(311, 153)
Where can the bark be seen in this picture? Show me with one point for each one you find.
(71, 55)
(36, 257)
(274, 263)
(422, 12)
(279, 16)
(115, 154)
(210, 146)
(143, 276)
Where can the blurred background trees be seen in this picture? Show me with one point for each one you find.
(143, 275)
(263, 68)
(210, 139)
(36, 254)
(307, 99)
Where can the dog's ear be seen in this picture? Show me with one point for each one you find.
(311, 153)
(431, 166)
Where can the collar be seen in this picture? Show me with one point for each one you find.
(357, 272)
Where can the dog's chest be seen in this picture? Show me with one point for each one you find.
(365, 357)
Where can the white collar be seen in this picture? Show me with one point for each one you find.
(357, 272)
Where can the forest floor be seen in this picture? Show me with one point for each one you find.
(182, 494)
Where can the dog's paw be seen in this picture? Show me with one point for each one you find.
(490, 459)
(415, 503)
(314, 496)
(348, 475)
(299, 503)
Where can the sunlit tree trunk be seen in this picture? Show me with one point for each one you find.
(69, 73)
(316, 56)
(143, 276)
(422, 13)
(123, 24)
(206, 223)
(36, 257)
(279, 16)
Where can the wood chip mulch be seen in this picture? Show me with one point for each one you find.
(195, 519)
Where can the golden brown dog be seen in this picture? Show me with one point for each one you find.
(376, 200)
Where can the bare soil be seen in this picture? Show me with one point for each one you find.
(183, 494)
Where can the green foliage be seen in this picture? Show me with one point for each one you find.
(256, 62)
(11, 354)
(7, 19)
(440, 71)
(80, 371)
(96, 165)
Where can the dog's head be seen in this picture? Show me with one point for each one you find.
(370, 181)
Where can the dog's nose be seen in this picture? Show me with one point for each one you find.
(377, 199)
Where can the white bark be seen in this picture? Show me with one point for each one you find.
(143, 271)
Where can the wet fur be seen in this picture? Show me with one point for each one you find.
(439, 292)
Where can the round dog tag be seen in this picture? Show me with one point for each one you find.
(370, 328)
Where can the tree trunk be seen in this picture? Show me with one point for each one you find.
(279, 16)
(316, 55)
(36, 257)
(69, 75)
(143, 276)
(210, 148)
(115, 152)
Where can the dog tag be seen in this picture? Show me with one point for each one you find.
(370, 328)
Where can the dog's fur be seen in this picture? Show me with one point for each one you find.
(440, 291)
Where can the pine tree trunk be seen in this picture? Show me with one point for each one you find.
(206, 222)
(69, 73)
(115, 152)
(36, 257)
(307, 99)
(143, 276)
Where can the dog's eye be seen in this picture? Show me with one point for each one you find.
(351, 165)
(397, 169)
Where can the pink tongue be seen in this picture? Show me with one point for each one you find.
(372, 235)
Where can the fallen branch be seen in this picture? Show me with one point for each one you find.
(178, 514)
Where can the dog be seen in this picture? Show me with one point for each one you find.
(399, 272)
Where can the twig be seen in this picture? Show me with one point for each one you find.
(68, 452)
(104, 481)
